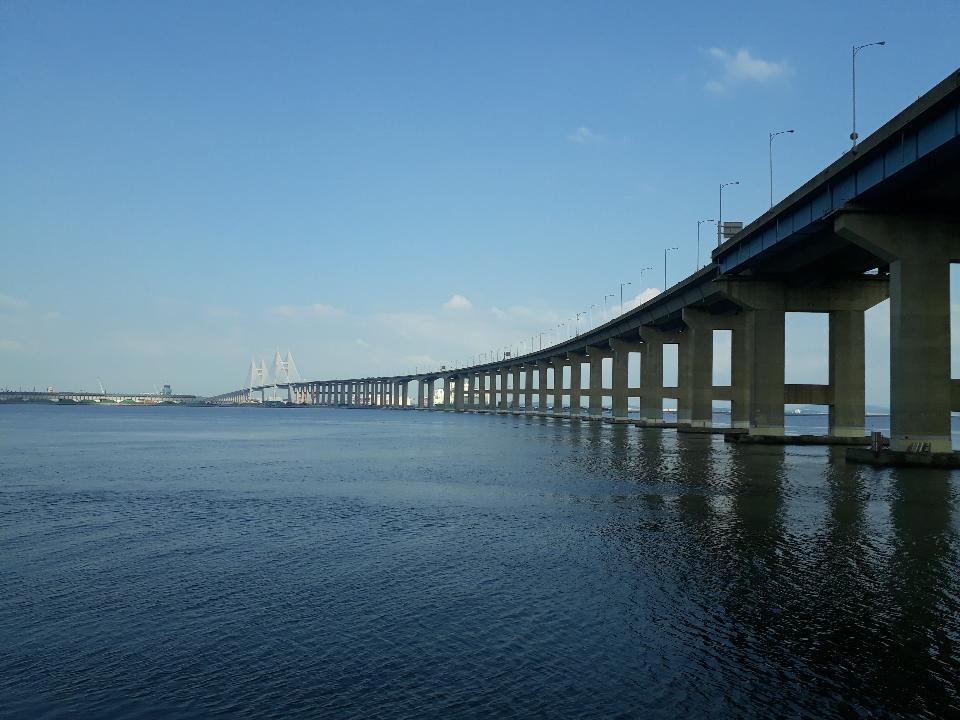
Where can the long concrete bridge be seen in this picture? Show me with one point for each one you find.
(82, 396)
(881, 222)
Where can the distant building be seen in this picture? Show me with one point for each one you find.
(166, 391)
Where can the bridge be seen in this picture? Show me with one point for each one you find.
(82, 396)
(883, 221)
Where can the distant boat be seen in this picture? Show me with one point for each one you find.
(796, 411)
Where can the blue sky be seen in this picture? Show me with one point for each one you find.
(185, 185)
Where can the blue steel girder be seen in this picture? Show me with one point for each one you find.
(928, 128)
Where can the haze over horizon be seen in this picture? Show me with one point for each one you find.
(379, 187)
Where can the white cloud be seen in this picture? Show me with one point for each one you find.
(360, 342)
(315, 310)
(457, 302)
(648, 295)
(640, 298)
(583, 135)
(10, 346)
(740, 67)
(9, 303)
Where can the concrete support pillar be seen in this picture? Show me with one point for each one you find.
(458, 393)
(490, 396)
(445, 392)
(697, 381)
(847, 373)
(576, 361)
(430, 393)
(471, 389)
(766, 335)
(741, 364)
(558, 366)
(596, 354)
(528, 388)
(919, 250)
(515, 394)
(542, 368)
(504, 390)
(620, 378)
(404, 393)
(651, 376)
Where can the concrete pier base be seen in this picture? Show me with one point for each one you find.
(755, 439)
(711, 430)
(901, 458)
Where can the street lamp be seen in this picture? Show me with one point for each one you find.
(699, 223)
(578, 321)
(853, 60)
(665, 251)
(605, 305)
(720, 216)
(621, 296)
(772, 136)
(590, 317)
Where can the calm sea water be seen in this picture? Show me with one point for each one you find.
(190, 562)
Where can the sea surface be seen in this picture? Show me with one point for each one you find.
(295, 563)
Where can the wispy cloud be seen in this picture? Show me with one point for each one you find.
(584, 135)
(299, 311)
(10, 346)
(8, 303)
(457, 302)
(742, 67)
(218, 312)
